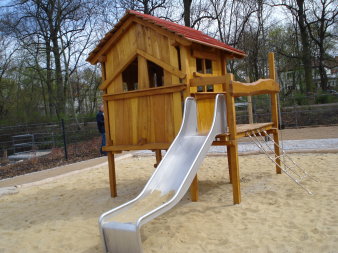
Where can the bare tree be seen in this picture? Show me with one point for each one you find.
(323, 15)
(297, 8)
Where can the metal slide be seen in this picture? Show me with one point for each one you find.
(120, 227)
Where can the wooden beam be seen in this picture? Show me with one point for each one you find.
(179, 39)
(185, 65)
(274, 113)
(102, 58)
(233, 149)
(204, 55)
(203, 81)
(158, 155)
(147, 146)
(122, 67)
(262, 86)
(143, 76)
(164, 65)
(145, 92)
(194, 189)
(112, 40)
(109, 142)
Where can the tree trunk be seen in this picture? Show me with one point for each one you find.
(306, 52)
(186, 12)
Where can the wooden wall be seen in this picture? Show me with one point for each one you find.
(154, 118)
(145, 119)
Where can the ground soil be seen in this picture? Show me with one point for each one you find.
(76, 153)
(90, 149)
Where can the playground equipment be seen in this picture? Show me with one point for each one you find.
(120, 227)
(288, 166)
(149, 66)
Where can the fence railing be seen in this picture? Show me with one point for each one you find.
(32, 137)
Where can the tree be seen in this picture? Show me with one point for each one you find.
(321, 18)
(297, 9)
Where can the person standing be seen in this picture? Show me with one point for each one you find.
(100, 126)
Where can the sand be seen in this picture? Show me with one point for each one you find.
(275, 215)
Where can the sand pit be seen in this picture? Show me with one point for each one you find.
(275, 215)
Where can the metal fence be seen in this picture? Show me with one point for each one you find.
(31, 137)
(294, 112)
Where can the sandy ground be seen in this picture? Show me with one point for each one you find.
(324, 132)
(275, 214)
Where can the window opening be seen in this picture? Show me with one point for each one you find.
(199, 65)
(156, 75)
(130, 77)
(204, 66)
(208, 66)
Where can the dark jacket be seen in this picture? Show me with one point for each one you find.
(100, 122)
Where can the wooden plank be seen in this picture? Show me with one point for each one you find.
(177, 111)
(143, 76)
(203, 81)
(158, 155)
(262, 86)
(169, 128)
(204, 55)
(233, 149)
(145, 92)
(174, 61)
(179, 39)
(113, 40)
(143, 120)
(206, 95)
(250, 110)
(194, 189)
(111, 161)
(185, 65)
(162, 64)
(274, 113)
(119, 70)
(134, 119)
(112, 174)
(197, 74)
(147, 146)
(277, 151)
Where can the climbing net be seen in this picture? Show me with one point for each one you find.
(282, 161)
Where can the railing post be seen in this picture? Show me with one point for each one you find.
(274, 113)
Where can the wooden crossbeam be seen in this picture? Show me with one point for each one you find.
(262, 86)
(145, 92)
(173, 70)
(203, 81)
(119, 70)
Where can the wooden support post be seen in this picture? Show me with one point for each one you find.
(194, 189)
(112, 174)
(233, 148)
(250, 112)
(229, 163)
(158, 155)
(143, 78)
(184, 56)
(224, 72)
(274, 112)
(111, 159)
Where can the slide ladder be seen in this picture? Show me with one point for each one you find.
(288, 166)
(120, 227)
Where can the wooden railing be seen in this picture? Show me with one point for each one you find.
(237, 89)
(145, 92)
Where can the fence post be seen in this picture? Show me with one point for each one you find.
(64, 138)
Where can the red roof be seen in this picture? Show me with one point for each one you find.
(184, 31)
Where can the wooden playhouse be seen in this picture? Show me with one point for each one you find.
(149, 66)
